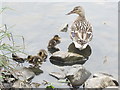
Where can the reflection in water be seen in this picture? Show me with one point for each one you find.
(36, 22)
(52, 50)
(36, 70)
(85, 52)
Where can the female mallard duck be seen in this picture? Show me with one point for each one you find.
(81, 29)
(53, 42)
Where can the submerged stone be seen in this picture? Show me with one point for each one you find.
(57, 75)
(67, 58)
(36, 70)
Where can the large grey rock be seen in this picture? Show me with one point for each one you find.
(100, 81)
(77, 75)
(67, 58)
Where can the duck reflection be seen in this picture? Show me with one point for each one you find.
(84, 52)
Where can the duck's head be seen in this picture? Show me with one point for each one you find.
(43, 54)
(56, 37)
(29, 57)
(77, 10)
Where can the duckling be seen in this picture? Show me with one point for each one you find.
(54, 41)
(39, 58)
(18, 59)
(35, 60)
(65, 29)
(43, 54)
(81, 30)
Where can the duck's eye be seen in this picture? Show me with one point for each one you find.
(40, 53)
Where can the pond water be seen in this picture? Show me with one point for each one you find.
(38, 22)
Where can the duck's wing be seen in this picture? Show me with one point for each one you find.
(81, 32)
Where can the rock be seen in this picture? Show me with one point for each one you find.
(67, 58)
(101, 80)
(77, 75)
(58, 75)
(23, 73)
(100, 74)
(35, 85)
(36, 70)
(21, 84)
(7, 79)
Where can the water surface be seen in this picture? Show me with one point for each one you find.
(38, 22)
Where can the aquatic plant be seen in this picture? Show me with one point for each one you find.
(7, 43)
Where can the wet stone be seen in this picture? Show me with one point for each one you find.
(23, 73)
(67, 58)
(57, 75)
(101, 80)
(77, 75)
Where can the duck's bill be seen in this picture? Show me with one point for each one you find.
(70, 13)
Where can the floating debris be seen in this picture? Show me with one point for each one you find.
(66, 58)
(65, 28)
(105, 59)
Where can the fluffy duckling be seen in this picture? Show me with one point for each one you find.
(53, 42)
(43, 54)
(39, 58)
(36, 60)
(18, 59)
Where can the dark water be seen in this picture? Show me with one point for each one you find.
(38, 22)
